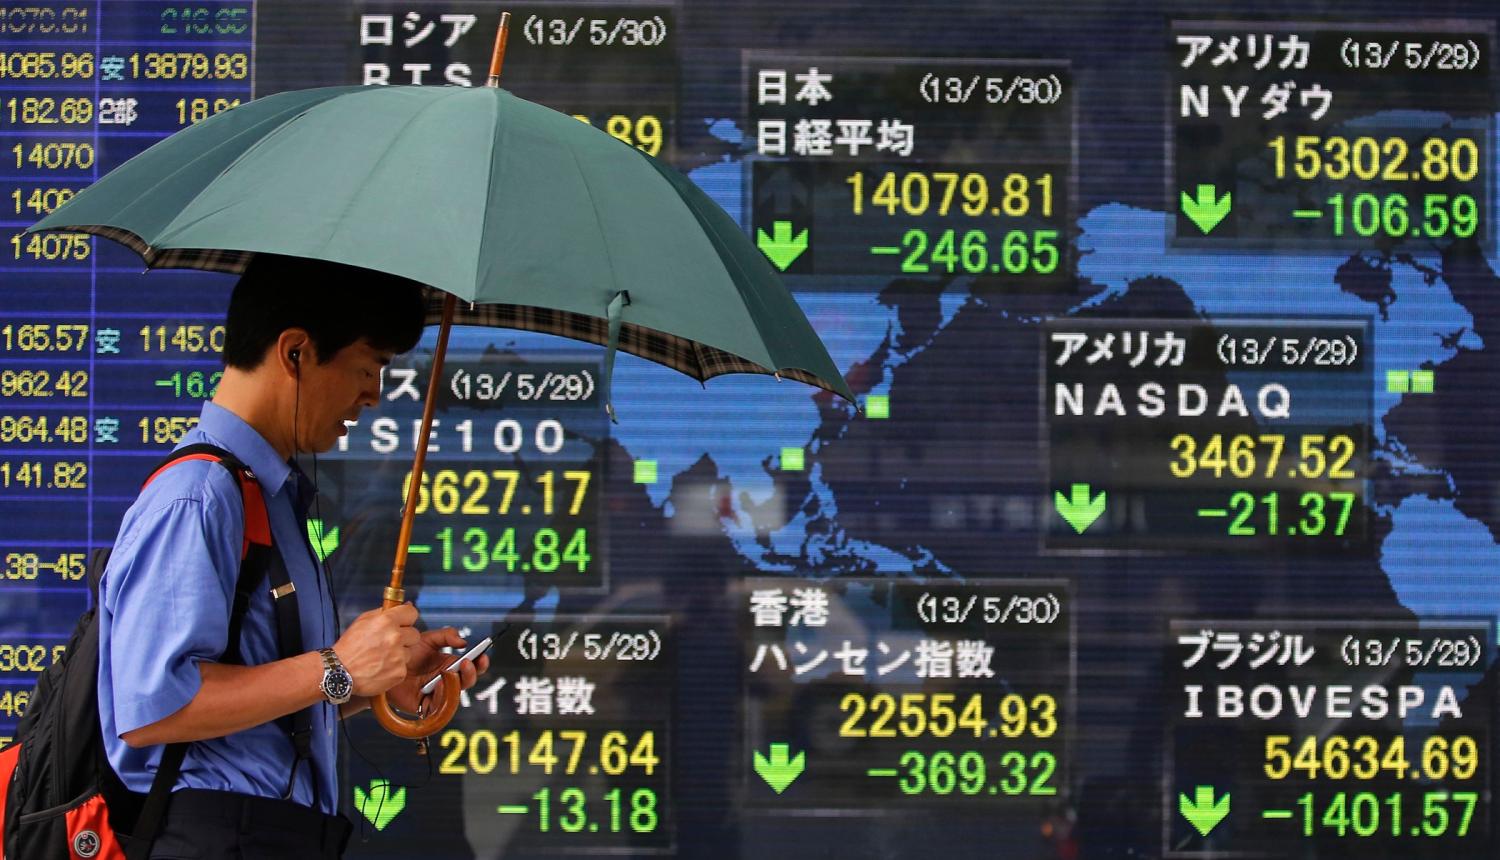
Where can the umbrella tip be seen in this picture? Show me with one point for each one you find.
(497, 58)
(609, 409)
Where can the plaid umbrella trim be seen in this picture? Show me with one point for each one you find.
(686, 356)
(681, 354)
(208, 259)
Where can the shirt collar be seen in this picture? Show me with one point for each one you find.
(246, 443)
(303, 498)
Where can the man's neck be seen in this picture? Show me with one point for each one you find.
(258, 404)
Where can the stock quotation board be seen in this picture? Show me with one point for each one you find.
(1166, 524)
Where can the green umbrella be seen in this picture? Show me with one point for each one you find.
(541, 222)
(548, 223)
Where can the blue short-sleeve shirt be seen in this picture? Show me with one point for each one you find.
(164, 608)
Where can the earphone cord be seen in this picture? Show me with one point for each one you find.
(324, 573)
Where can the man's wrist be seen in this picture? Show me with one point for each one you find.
(336, 684)
(354, 706)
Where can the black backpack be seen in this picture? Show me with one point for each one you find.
(59, 796)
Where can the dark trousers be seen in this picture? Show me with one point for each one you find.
(219, 824)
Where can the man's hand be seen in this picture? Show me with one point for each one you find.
(377, 648)
(424, 659)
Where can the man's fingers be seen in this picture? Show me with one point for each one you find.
(404, 615)
(410, 637)
(468, 676)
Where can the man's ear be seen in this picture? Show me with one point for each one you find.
(293, 350)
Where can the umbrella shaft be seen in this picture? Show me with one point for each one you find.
(395, 594)
(497, 59)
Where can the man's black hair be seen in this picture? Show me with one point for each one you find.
(336, 304)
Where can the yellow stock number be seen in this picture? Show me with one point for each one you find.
(918, 193)
(941, 715)
(27, 566)
(642, 132)
(165, 429)
(51, 247)
(40, 201)
(13, 703)
(44, 110)
(189, 66)
(31, 475)
(191, 111)
(59, 155)
(1365, 158)
(29, 657)
(182, 338)
(1247, 456)
(45, 337)
(22, 566)
(1337, 757)
(571, 751)
(44, 383)
(44, 65)
(24, 429)
(451, 492)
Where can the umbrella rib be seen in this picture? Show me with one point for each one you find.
(173, 227)
(484, 219)
(731, 266)
(384, 156)
(598, 221)
(167, 232)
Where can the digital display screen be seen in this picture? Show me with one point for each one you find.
(1166, 523)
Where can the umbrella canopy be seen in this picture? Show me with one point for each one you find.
(544, 222)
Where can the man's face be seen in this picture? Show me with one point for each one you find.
(335, 391)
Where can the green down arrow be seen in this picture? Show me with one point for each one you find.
(1207, 210)
(780, 771)
(1203, 813)
(781, 246)
(1080, 511)
(380, 805)
(323, 543)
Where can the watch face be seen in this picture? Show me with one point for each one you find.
(337, 685)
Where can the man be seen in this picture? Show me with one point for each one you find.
(303, 351)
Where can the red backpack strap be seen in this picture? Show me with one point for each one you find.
(257, 521)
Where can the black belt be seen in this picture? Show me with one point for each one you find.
(254, 814)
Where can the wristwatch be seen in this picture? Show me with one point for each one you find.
(337, 685)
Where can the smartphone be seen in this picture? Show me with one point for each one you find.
(469, 656)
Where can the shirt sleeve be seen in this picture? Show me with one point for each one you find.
(167, 593)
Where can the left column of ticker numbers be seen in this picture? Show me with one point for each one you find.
(100, 371)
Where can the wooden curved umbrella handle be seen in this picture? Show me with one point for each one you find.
(417, 728)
